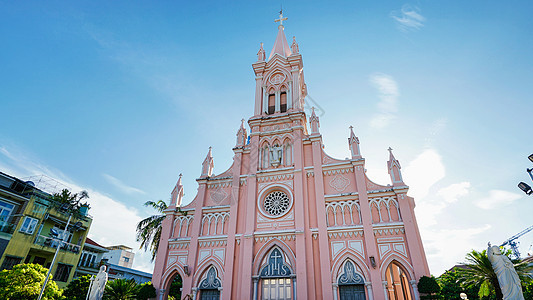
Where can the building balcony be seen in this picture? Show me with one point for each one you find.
(52, 243)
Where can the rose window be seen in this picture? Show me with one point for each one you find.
(276, 203)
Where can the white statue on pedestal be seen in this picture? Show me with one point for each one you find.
(98, 285)
(506, 274)
(276, 153)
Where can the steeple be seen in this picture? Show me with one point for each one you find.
(280, 85)
(281, 46)
(314, 122)
(241, 135)
(207, 165)
(394, 169)
(353, 142)
(177, 194)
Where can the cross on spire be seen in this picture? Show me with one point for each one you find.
(390, 149)
(281, 18)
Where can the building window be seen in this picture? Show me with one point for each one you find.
(126, 259)
(62, 272)
(29, 225)
(277, 203)
(10, 261)
(283, 102)
(5, 212)
(271, 103)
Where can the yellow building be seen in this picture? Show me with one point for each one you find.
(33, 221)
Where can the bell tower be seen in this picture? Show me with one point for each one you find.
(280, 85)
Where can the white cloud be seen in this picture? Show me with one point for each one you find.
(113, 223)
(408, 18)
(446, 247)
(121, 185)
(497, 199)
(423, 172)
(451, 193)
(388, 93)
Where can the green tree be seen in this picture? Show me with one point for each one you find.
(428, 285)
(121, 289)
(78, 288)
(149, 229)
(70, 200)
(451, 287)
(25, 281)
(479, 272)
(146, 291)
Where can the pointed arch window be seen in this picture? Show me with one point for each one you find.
(209, 287)
(351, 284)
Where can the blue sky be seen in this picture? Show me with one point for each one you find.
(120, 97)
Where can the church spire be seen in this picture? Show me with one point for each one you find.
(281, 46)
(314, 122)
(177, 194)
(394, 169)
(241, 135)
(207, 165)
(353, 142)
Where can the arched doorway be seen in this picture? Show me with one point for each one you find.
(174, 287)
(209, 286)
(276, 278)
(397, 282)
(351, 284)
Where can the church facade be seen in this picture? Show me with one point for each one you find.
(286, 220)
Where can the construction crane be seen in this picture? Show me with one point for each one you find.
(513, 243)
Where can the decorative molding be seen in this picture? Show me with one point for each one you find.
(311, 173)
(275, 177)
(345, 234)
(213, 243)
(283, 237)
(388, 231)
(219, 183)
(337, 247)
(357, 246)
(182, 245)
(243, 181)
(219, 253)
(203, 254)
(337, 171)
(339, 183)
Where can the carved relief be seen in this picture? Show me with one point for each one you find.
(219, 195)
(277, 78)
(339, 183)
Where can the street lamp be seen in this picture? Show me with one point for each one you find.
(524, 186)
(463, 296)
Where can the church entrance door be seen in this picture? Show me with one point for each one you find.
(352, 292)
(276, 289)
(209, 295)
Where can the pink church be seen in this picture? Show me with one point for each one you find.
(286, 220)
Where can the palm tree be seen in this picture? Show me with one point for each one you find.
(479, 273)
(121, 289)
(149, 229)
